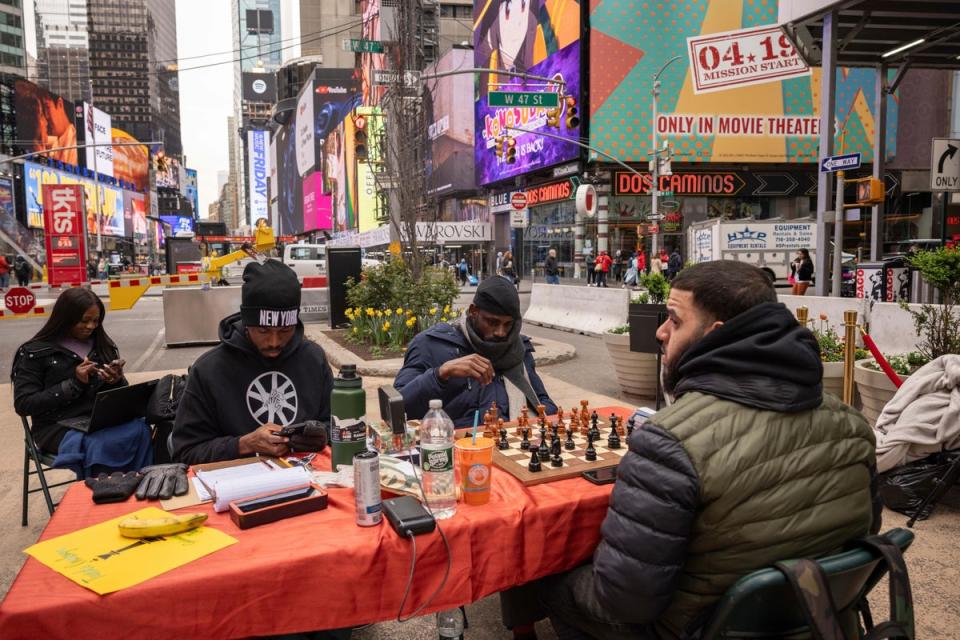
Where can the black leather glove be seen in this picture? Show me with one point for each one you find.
(312, 440)
(163, 481)
(116, 487)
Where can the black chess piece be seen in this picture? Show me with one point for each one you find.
(525, 443)
(555, 447)
(534, 465)
(543, 447)
(594, 428)
(613, 440)
(591, 453)
(630, 424)
(556, 461)
(555, 430)
(503, 444)
(569, 445)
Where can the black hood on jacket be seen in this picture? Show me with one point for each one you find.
(761, 358)
(234, 335)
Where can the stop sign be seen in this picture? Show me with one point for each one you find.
(19, 300)
(519, 200)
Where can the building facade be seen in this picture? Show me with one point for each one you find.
(133, 61)
(63, 56)
(13, 55)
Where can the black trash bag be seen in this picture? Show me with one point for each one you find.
(904, 489)
(165, 399)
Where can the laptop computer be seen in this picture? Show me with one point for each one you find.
(113, 407)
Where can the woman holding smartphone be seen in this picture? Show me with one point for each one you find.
(57, 375)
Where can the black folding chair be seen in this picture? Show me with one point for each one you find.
(42, 462)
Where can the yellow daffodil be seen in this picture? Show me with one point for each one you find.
(446, 309)
(433, 311)
(411, 322)
(443, 319)
(370, 312)
(386, 326)
(379, 313)
(388, 312)
(355, 330)
(409, 312)
(399, 311)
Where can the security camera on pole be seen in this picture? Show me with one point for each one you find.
(655, 158)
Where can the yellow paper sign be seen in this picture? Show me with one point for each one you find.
(102, 560)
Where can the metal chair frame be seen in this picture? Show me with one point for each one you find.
(42, 462)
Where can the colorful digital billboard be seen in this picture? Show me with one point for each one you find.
(111, 199)
(450, 126)
(130, 161)
(45, 121)
(539, 37)
(774, 122)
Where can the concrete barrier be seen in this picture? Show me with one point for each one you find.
(588, 310)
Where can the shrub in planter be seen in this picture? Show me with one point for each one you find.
(938, 325)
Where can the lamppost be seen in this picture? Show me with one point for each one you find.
(655, 155)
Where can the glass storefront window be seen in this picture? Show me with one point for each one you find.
(551, 227)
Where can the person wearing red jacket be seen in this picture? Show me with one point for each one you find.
(602, 268)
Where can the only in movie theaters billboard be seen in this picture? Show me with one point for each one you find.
(778, 121)
(540, 37)
(45, 121)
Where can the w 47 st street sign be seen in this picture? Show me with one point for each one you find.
(546, 99)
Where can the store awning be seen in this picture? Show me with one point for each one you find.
(924, 35)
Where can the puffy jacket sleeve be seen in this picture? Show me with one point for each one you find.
(196, 437)
(638, 564)
(417, 380)
(30, 397)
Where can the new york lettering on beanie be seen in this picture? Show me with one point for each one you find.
(270, 296)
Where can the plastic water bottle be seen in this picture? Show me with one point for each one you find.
(450, 624)
(436, 461)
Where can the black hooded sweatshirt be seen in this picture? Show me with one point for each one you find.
(232, 390)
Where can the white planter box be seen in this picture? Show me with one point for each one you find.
(636, 372)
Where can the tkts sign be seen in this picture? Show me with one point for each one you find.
(63, 225)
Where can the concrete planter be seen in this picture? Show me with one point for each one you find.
(875, 390)
(833, 378)
(636, 372)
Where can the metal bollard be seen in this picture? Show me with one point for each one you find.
(849, 354)
(803, 316)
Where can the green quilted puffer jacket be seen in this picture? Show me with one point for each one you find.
(745, 469)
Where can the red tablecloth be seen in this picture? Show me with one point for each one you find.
(315, 571)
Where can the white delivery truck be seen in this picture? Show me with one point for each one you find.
(770, 244)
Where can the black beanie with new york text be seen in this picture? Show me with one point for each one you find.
(270, 296)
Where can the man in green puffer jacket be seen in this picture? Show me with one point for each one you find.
(750, 465)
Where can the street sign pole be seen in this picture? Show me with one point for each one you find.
(838, 222)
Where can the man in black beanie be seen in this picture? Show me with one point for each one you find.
(475, 360)
(263, 376)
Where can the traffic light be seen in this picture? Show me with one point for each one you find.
(501, 143)
(360, 138)
(553, 117)
(573, 120)
(871, 191)
(511, 150)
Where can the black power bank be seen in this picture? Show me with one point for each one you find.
(408, 517)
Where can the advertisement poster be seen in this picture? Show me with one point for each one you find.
(111, 199)
(168, 177)
(540, 37)
(130, 161)
(370, 63)
(192, 190)
(134, 215)
(303, 123)
(289, 185)
(775, 121)
(367, 190)
(45, 121)
(317, 212)
(99, 130)
(258, 168)
(450, 158)
(259, 87)
(63, 226)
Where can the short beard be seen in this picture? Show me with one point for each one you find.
(671, 373)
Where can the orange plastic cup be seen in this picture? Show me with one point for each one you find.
(474, 463)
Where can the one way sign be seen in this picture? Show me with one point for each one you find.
(945, 165)
(840, 163)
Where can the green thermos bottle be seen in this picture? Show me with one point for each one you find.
(348, 420)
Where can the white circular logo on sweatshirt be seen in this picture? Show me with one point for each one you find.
(272, 398)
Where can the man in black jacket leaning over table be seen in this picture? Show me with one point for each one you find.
(264, 375)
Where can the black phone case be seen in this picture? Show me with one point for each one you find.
(408, 517)
(589, 476)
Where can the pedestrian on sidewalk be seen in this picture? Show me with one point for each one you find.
(641, 262)
(588, 261)
(23, 271)
(4, 272)
(102, 267)
(618, 266)
(508, 269)
(674, 264)
(464, 270)
(802, 270)
(550, 267)
(656, 264)
(499, 267)
(602, 268)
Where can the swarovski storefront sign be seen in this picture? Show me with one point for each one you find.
(454, 232)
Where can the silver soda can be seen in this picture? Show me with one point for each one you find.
(366, 487)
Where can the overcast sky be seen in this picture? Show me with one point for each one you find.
(206, 95)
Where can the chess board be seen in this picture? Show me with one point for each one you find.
(515, 460)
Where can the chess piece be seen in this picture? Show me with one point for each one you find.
(630, 426)
(590, 455)
(613, 423)
(494, 411)
(534, 465)
(584, 428)
(556, 461)
(570, 445)
(594, 428)
(522, 420)
(503, 444)
(555, 431)
(620, 430)
(541, 411)
(613, 440)
(525, 443)
(544, 451)
(574, 417)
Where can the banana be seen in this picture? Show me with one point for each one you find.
(134, 527)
